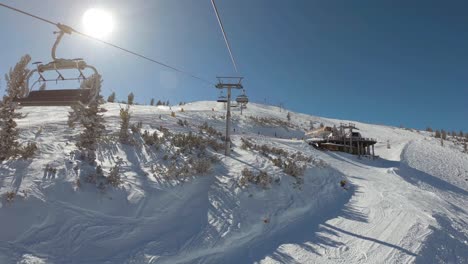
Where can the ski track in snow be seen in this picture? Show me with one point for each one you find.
(407, 206)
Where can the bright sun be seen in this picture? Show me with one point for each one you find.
(98, 23)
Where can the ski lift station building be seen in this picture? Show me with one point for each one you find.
(341, 138)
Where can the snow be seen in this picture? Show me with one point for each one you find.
(409, 205)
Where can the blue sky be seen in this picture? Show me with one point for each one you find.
(386, 62)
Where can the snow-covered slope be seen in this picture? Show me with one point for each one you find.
(409, 205)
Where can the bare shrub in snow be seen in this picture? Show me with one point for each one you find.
(78, 183)
(261, 178)
(190, 142)
(214, 144)
(298, 156)
(293, 164)
(177, 172)
(10, 196)
(210, 130)
(246, 144)
(270, 121)
(278, 162)
(136, 128)
(114, 175)
(150, 139)
(292, 168)
(201, 166)
(180, 122)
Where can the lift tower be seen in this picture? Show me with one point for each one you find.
(229, 83)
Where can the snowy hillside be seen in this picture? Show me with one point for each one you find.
(409, 205)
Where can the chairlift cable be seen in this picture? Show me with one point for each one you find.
(108, 43)
(224, 34)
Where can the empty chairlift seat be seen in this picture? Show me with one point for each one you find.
(56, 98)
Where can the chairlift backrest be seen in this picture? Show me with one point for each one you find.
(222, 99)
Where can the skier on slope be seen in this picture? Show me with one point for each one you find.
(343, 184)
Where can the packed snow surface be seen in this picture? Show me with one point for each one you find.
(409, 205)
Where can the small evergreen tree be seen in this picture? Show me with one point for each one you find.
(167, 102)
(429, 129)
(288, 116)
(111, 98)
(152, 102)
(460, 134)
(443, 134)
(131, 97)
(437, 134)
(16, 80)
(159, 103)
(124, 124)
(90, 119)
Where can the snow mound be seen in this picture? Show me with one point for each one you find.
(445, 163)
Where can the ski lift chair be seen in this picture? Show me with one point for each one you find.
(222, 99)
(242, 99)
(63, 97)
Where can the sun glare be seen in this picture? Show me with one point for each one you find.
(98, 23)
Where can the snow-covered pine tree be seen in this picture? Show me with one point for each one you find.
(111, 98)
(443, 134)
(124, 124)
(131, 97)
(90, 119)
(16, 80)
(152, 101)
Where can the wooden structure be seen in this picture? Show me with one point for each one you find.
(342, 139)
